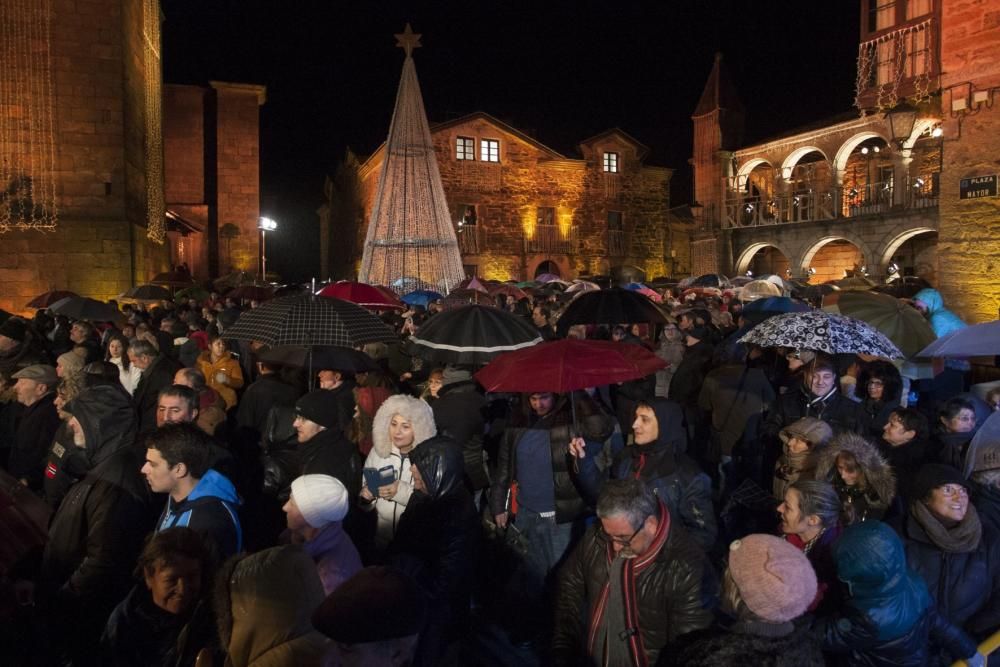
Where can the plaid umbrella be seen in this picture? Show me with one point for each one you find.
(83, 308)
(250, 293)
(613, 306)
(310, 320)
(823, 332)
(320, 357)
(472, 335)
(49, 298)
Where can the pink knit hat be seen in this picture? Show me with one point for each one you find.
(775, 579)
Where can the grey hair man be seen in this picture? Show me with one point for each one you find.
(157, 373)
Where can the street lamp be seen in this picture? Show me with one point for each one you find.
(901, 119)
(265, 225)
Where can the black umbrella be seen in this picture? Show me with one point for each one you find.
(613, 306)
(472, 335)
(147, 293)
(322, 357)
(83, 308)
(173, 279)
(310, 320)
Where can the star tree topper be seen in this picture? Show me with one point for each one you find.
(408, 40)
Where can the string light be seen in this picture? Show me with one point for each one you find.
(411, 243)
(156, 228)
(27, 128)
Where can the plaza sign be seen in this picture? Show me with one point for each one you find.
(978, 187)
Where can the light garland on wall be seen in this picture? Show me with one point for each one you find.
(155, 207)
(27, 127)
(900, 42)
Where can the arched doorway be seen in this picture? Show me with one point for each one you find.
(832, 259)
(763, 258)
(914, 254)
(548, 266)
(808, 178)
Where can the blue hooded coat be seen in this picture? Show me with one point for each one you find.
(210, 509)
(942, 320)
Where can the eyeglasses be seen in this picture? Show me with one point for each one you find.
(952, 490)
(626, 543)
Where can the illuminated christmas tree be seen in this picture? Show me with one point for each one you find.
(410, 243)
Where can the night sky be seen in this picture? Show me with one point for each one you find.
(561, 71)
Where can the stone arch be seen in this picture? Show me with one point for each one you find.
(922, 125)
(746, 256)
(744, 171)
(805, 261)
(793, 158)
(547, 266)
(846, 148)
(889, 248)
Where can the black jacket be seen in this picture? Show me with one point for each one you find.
(840, 412)
(458, 413)
(329, 452)
(685, 385)
(875, 415)
(36, 429)
(160, 374)
(258, 398)
(737, 646)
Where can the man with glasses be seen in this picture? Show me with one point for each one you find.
(640, 578)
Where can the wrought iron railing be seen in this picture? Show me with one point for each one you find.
(617, 243)
(550, 239)
(470, 239)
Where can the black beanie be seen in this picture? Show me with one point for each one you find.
(319, 406)
(376, 604)
(932, 475)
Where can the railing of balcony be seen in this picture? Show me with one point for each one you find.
(470, 239)
(551, 239)
(742, 210)
(617, 243)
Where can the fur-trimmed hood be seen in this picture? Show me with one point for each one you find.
(417, 411)
(879, 475)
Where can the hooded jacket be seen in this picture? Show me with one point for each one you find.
(880, 490)
(888, 615)
(210, 509)
(942, 320)
(675, 478)
(96, 534)
(437, 543)
(458, 412)
(264, 603)
(329, 452)
(664, 594)
(36, 429)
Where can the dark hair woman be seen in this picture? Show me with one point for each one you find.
(879, 388)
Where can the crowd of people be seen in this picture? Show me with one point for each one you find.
(744, 505)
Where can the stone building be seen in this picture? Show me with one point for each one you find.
(877, 190)
(521, 208)
(82, 152)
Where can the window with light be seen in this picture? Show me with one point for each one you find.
(611, 163)
(465, 149)
(489, 150)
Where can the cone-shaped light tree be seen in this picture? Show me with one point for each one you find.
(410, 242)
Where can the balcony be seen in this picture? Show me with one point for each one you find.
(551, 239)
(874, 199)
(617, 243)
(471, 239)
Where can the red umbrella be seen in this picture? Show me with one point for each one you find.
(363, 295)
(512, 291)
(568, 364)
(472, 283)
(49, 298)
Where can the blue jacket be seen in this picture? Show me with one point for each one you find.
(942, 320)
(210, 509)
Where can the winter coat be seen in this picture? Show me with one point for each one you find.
(97, 532)
(20, 357)
(458, 413)
(870, 502)
(739, 646)
(905, 461)
(965, 586)
(665, 598)
(842, 414)
(437, 542)
(36, 428)
(942, 320)
(264, 605)
(570, 505)
(211, 509)
(258, 398)
(888, 615)
(140, 633)
(951, 448)
(733, 395)
(160, 374)
(675, 478)
(875, 415)
(226, 364)
(65, 465)
(335, 555)
(329, 452)
(388, 512)
(686, 382)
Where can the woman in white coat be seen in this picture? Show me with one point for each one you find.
(401, 423)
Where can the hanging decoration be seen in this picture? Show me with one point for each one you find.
(27, 126)
(155, 207)
(411, 241)
(884, 62)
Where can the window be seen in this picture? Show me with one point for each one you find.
(465, 214)
(917, 53)
(916, 8)
(489, 150)
(546, 216)
(611, 163)
(886, 61)
(615, 221)
(881, 14)
(465, 149)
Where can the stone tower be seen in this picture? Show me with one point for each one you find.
(410, 242)
(718, 130)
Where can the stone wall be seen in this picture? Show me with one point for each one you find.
(969, 243)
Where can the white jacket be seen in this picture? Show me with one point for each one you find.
(390, 511)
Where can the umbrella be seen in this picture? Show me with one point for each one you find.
(977, 340)
(740, 281)
(361, 294)
(421, 297)
(196, 292)
(823, 332)
(234, 279)
(710, 280)
(469, 296)
(320, 356)
(49, 298)
(84, 308)
(310, 320)
(472, 335)
(613, 306)
(549, 278)
(147, 293)
(854, 283)
(904, 325)
(568, 364)
(250, 293)
(762, 309)
(292, 289)
(172, 279)
(903, 288)
(472, 283)
(509, 290)
(582, 286)
(645, 291)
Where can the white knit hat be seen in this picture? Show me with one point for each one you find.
(321, 499)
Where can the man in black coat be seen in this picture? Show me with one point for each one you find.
(819, 396)
(37, 425)
(323, 447)
(255, 404)
(458, 413)
(157, 373)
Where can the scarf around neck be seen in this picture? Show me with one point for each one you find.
(961, 538)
